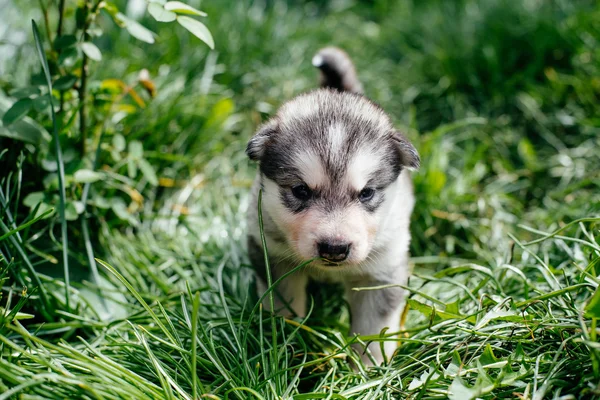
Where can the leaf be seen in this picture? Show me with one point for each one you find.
(219, 113)
(65, 82)
(49, 164)
(91, 50)
(131, 168)
(119, 207)
(59, 161)
(198, 29)
(25, 130)
(71, 212)
(18, 110)
(18, 315)
(64, 41)
(136, 149)
(459, 391)
(497, 314)
(160, 14)
(592, 308)
(41, 103)
(118, 142)
(100, 202)
(527, 152)
(182, 8)
(68, 58)
(455, 366)
(44, 211)
(41, 54)
(33, 199)
(136, 29)
(488, 357)
(25, 91)
(436, 179)
(87, 176)
(427, 376)
(443, 315)
(148, 171)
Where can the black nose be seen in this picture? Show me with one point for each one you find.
(334, 251)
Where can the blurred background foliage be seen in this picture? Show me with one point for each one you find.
(500, 98)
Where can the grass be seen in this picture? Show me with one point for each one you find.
(503, 301)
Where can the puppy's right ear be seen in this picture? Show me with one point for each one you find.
(258, 144)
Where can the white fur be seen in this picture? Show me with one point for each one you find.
(361, 166)
(307, 105)
(336, 137)
(311, 168)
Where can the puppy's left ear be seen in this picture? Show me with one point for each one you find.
(257, 145)
(408, 153)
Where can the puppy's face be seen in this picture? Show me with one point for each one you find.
(329, 162)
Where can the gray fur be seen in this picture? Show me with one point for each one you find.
(334, 129)
(337, 70)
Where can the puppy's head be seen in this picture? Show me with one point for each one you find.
(328, 163)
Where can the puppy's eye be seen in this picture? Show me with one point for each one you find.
(366, 194)
(301, 192)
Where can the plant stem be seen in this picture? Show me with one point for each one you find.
(46, 22)
(82, 89)
(83, 85)
(61, 12)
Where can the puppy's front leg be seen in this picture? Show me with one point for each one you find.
(291, 290)
(372, 311)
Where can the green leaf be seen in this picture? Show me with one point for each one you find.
(119, 207)
(455, 366)
(42, 55)
(497, 314)
(160, 14)
(443, 315)
(68, 58)
(91, 50)
(527, 152)
(87, 176)
(33, 199)
(111, 8)
(488, 357)
(25, 130)
(136, 149)
(136, 29)
(65, 82)
(25, 91)
(458, 390)
(118, 142)
(59, 161)
(100, 202)
(436, 179)
(71, 212)
(198, 29)
(18, 316)
(18, 110)
(64, 41)
(148, 171)
(131, 168)
(41, 103)
(182, 8)
(592, 308)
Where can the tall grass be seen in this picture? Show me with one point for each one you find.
(503, 301)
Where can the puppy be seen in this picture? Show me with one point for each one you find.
(336, 188)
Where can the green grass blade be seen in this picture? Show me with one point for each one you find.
(59, 162)
(27, 224)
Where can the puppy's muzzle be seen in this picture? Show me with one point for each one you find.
(334, 251)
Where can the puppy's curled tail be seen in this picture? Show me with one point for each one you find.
(337, 70)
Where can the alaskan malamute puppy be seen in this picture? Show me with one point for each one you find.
(336, 187)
